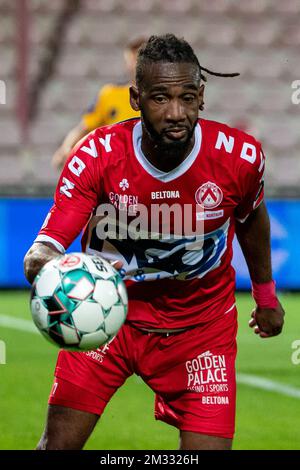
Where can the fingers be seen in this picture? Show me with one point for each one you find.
(256, 329)
(252, 321)
(117, 264)
(262, 334)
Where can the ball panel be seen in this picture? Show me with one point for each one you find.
(47, 282)
(114, 320)
(91, 341)
(122, 292)
(39, 314)
(69, 262)
(69, 334)
(88, 317)
(105, 293)
(81, 289)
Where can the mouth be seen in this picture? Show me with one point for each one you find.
(176, 133)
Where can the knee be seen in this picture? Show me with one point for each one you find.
(48, 443)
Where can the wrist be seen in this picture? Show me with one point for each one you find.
(264, 294)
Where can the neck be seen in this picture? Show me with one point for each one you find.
(161, 157)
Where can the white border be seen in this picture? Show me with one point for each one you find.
(155, 172)
(46, 238)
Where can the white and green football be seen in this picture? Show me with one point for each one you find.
(78, 301)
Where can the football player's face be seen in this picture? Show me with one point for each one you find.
(169, 102)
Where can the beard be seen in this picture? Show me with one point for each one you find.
(170, 148)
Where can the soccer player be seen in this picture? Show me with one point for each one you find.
(180, 333)
(112, 105)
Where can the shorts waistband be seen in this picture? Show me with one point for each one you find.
(162, 331)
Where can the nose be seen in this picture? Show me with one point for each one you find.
(175, 111)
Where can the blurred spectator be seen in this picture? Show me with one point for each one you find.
(111, 105)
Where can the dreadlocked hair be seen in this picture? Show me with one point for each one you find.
(169, 48)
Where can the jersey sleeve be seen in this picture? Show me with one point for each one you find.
(95, 116)
(251, 182)
(76, 196)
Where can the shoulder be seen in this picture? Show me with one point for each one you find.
(222, 131)
(114, 136)
(225, 140)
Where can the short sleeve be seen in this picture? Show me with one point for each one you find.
(251, 182)
(76, 196)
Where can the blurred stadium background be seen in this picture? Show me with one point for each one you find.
(54, 57)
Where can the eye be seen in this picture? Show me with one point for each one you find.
(159, 99)
(189, 98)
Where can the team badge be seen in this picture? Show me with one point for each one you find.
(209, 195)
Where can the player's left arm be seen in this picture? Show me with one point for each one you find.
(254, 238)
(253, 233)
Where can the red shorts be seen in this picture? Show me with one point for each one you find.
(192, 374)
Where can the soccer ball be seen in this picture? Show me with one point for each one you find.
(78, 301)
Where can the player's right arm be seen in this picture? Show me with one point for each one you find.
(77, 194)
(38, 255)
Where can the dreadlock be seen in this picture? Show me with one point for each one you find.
(169, 48)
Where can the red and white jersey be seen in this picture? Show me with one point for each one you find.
(176, 278)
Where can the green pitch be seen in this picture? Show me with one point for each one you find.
(265, 419)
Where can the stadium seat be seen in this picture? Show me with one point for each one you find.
(272, 97)
(267, 64)
(44, 6)
(14, 170)
(212, 7)
(41, 28)
(8, 62)
(9, 131)
(291, 35)
(175, 6)
(258, 38)
(7, 29)
(100, 6)
(251, 7)
(259, 33)
(289, 7)
(139, 6)
(216, 33)
(7, 7)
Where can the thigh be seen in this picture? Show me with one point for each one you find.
(83, 385)
(66, 428)
(196, 441)
(100, 372)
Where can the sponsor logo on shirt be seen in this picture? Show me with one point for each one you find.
(125, 202)
(165, 195)
(209, 195)
(208, 215)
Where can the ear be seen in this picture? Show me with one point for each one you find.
(201, 97)
(134, 98)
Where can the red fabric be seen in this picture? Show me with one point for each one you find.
(192, 374)
(65, 393)
(171, 283)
